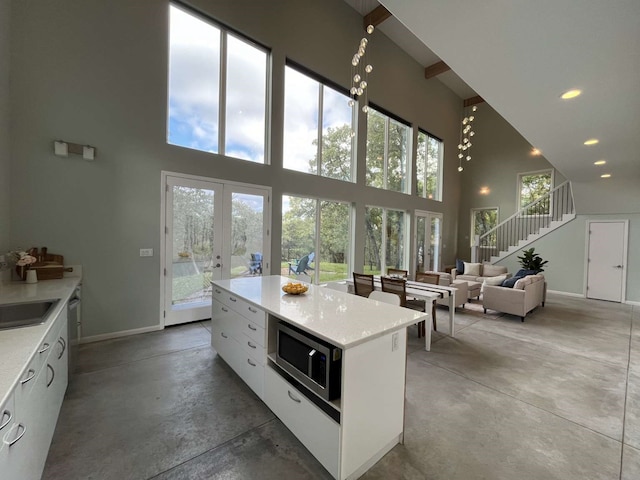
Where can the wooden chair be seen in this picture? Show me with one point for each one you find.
(398, 286)
(397, 272)
(433, 279)
(362, 284)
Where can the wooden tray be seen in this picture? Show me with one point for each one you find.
(48, 267)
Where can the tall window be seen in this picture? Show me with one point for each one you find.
(534, 186)
(385, 239)
(320, 231)
(318, 126)
(430, 153)
(217, 89)
(483, 220)
(387, 152)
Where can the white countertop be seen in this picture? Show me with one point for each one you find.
(18, 345)
(343, 319)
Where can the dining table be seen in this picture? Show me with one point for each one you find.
(429, 293)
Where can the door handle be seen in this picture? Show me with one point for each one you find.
(618, 266)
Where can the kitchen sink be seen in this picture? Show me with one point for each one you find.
(13, 315)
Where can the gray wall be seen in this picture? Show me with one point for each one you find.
(5, 164)
(565, 249)
(95, 72)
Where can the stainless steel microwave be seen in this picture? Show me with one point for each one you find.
(312, 361)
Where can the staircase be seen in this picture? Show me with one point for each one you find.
(527, 225)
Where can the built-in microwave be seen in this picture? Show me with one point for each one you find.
(310, 360)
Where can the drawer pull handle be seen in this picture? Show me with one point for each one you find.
(31, 373)
(253, 310)
(250, 362)
(44, 348)
(225, 310)
(297, 400)
(218, 291)
(223, 335)
(232, 299)
(24, 430)
(9, 416)
(62, 342)
(53, 375)
(251, 345)
(251, 327)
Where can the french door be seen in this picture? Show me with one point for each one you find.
(428, 241)
(212, 230)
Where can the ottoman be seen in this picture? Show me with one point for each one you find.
(474, 289)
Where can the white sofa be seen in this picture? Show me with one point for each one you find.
(526, 294)
(484, 270)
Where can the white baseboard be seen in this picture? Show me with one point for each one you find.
(124, 333)
(566, 294)
(631, 302)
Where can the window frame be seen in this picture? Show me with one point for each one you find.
(472, 236)
(383, 245)
(323, 83)
(519, 205)
(225, 31)
(385, 160)
(439, 183)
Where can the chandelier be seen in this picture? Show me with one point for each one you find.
(360, 70)
(466, 132)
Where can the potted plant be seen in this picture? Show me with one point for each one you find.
(532, 261)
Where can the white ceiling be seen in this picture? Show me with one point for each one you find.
(520, 55)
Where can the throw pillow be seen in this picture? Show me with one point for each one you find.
(495, 281)
(510, 282)
(524, 273)
(459, 266)
(472, 269)
(489, 270)
(523, 282)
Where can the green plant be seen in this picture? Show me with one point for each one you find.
(532, 261)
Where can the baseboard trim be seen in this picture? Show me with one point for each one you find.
(631, 302)
(566, 294)
(124, 333)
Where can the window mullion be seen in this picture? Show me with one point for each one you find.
(385, 155)
(320, 120)
(222, 94)
(383, 247)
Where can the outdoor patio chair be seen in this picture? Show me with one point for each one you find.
(255, 264)
(302, 265)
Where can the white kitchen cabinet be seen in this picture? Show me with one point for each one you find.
(35, 403)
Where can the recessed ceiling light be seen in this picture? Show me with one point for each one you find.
(535, 152)
(605, 175)
(570, 94)
(591, 141)
(600, 162)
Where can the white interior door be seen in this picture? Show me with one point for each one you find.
(428, 241)
(212, 230)
(606, 263)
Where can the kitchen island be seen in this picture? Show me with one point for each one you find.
(348, 434)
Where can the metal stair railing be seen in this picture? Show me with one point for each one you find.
(525, 222)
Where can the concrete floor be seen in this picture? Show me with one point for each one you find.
(555, 397)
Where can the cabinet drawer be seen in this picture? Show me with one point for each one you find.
(253, 349)
(238, 305)
(7, 419)
(253, 375)
(254, 332)
(319, 433)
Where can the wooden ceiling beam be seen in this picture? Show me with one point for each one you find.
(473, 101)
(376, 16)
(436, 69)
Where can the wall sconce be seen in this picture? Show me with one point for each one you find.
(63, 149)
(484, 191)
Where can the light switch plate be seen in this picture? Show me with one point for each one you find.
(146, 252)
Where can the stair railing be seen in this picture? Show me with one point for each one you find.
(526, 221)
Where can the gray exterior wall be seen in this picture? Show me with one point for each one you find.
(95, 72)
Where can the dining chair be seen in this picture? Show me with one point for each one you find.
(397, 272)
(433, 279)
(385, 297)
(398, 286)
(363, 284)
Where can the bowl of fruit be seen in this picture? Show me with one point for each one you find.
(293, 288)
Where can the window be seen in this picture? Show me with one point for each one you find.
(217, 89)
(327, 254)
(385, 240)
(483, 220)
(534, 186)
(318, 126)
(387, 152)
(430, 153)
